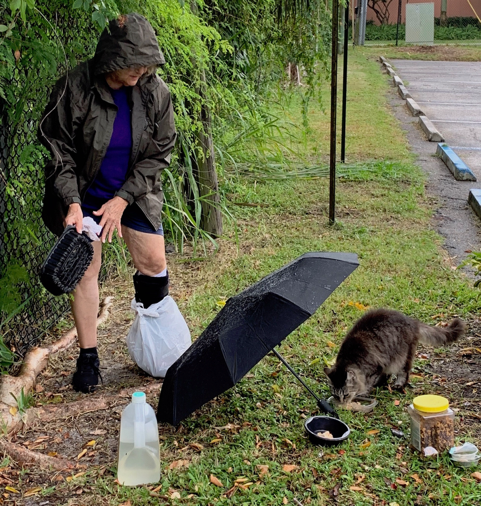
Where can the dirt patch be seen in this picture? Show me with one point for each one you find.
(438, 52)
(455, 373)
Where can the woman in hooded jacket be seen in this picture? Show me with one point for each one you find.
(109, 127)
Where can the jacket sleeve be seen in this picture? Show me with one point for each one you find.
(146, 173)
(56, 133)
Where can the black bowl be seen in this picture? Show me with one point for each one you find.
(339, 430)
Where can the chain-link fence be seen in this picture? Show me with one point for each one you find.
(26, 309)
(422, 21)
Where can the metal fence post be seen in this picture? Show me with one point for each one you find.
(332, 165)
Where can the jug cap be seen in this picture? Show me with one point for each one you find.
(431, 403)
(138, 397)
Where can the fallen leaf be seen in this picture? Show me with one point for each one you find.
(342, 452)
(263, 469)
(32, 491)
(416, 478)
(175, 495)
(81, 454)
(13, 410)
(221, 303)
(126, 503)
(215, 481)
(285, 500)
(393, 504)
(335, 491)
(372, 432)
(330, 344)
(356, 489)
(12, 490)
(91, 443)
(366, 444)
(156, 489)
(241, 480)
(216, 440)
(289, 467)
(231, 492)
(476, 476)
(179, 463)
(52, 454)
(396, 402)
(98, 432)
(402, 482)
(196, 446)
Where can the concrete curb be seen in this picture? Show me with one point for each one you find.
(430, 130)
(474, 200)
(460, 170)
(414, 107)
(397, 81)
(403, 92)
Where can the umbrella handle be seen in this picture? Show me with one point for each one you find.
(327, 408)
(322, 404)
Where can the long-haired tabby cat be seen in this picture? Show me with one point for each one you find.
(383, 342)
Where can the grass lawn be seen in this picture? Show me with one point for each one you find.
(248, 446)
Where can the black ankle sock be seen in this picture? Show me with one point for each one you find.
(91, 351)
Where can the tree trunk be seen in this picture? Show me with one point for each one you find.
(204, 167)
(207, 175)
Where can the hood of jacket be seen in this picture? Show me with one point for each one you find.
(129, 41)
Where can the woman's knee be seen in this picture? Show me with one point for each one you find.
(151, 263)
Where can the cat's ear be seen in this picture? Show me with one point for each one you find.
(328, 370)
(350, 377)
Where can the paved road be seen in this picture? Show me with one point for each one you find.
(449, 93)
(454, 218)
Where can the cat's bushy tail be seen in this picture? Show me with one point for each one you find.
(440, 336)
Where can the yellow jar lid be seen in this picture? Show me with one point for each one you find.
(431, 403)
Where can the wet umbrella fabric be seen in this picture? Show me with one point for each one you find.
(248, 327)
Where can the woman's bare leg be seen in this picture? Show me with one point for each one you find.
(147, 251)
(85, 302)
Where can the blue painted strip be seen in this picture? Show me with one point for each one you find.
(459, 169)
(474, 200)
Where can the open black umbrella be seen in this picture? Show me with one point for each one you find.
(248, 327)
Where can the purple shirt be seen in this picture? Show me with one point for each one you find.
(113, 171)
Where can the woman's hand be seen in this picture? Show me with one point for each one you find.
(74, 217)
(111, 213)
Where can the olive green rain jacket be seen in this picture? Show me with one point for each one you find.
(78, 122)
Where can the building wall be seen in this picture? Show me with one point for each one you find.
(454, 8)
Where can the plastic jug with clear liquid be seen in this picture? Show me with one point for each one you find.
(139, 458)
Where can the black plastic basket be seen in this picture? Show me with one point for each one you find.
(67, 262)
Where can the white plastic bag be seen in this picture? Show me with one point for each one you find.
(158, 336)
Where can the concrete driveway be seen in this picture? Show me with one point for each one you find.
(449, 94)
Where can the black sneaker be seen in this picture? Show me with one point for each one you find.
(86, 377)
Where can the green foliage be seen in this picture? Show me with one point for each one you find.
(10, 297)
(24, 401)
(7, 357)
(474, 260)
(101, 11)
(453, 31)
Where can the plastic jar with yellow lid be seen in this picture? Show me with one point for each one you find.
(432, 423)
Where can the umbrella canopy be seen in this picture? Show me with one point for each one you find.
(248, 327)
